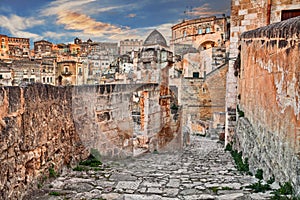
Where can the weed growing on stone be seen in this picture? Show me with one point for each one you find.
(214, 189)
(52, 172)
(39, 185)
(241, 165)
(259, 187)
(91, 162)
(259, 174)
(226, 188)
(79, 168)
(240, 112)
(271, 180)
(285, 192)
(54, 193)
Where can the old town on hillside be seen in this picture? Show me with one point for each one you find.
(165, 109)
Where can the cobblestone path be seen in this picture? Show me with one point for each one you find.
(202, 171)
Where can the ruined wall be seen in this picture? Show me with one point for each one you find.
(201, 98)
(37, 133)
(268, 88)
(45, 127)
(120, 119)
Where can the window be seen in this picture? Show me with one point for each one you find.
(195, 74)
(79, 70)
(199, 30)
(48, 79)
(51, 80)
(287, 14)
(207, 30)
(184, 33)
(66, 69)
(44, 79)
(1, 76)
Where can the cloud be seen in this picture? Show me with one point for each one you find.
(203, 10)
(131, 15)
(82, 22)
(50, 34)
(17, 25)
(59, 6)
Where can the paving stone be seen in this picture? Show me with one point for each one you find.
(231, 196)
(154, 190)
(133, 185)
(171, 192)
(201, 171)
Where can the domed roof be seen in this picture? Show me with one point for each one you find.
(155, 38)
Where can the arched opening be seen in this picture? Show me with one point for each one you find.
(207, 45)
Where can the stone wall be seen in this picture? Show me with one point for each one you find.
(268, 91)
(37, 133)
(45, 128)
(201, 98)
(122, 120)
(248, 15)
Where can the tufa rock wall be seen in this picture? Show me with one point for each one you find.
(37, 133)
(124, 120)
(45, 128)
(269, 96)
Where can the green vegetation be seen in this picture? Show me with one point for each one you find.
(240, 112)
(285, 192)
(259, 174)
(214, 189)
(226, 188)
(259, 187)
(242, 165)
(54, 193)
(93, 161)
(52, 173)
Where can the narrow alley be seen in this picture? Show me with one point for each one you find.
(202, 171)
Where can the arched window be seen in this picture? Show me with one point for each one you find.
(199, 30)
(207, 30)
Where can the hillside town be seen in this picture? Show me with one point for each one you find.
(213, 113)
(97, 62)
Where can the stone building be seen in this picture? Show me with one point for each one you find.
(6, 74)
(13, 47)
(42, 48)
(262, 92)
(200, 46)
(152, 59)
(26, 71)
(201, 43)
(48, 70)
(69, 72)
(127, 46)
(201, 33)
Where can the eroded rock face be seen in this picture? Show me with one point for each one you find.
(37, 135)
(268, 88)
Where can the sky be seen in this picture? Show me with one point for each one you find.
(61, 21)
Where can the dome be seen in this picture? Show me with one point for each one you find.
(155, 38)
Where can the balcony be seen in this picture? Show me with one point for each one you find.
(66, 73)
